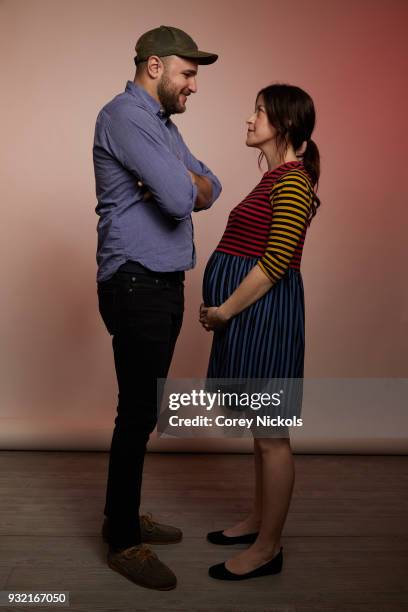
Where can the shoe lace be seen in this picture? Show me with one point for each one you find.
(142, 552)
(148, 522)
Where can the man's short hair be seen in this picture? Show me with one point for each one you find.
(142, 66)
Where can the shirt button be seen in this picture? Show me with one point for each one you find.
(130, 290)
(133, 278)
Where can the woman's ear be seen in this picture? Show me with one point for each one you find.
(301, 150)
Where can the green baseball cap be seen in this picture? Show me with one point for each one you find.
(167, 40)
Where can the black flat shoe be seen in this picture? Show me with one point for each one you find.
(217, 537)
(220, 572)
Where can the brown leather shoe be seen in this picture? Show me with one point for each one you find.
(158, 533)
(143, 567)
(151, 531)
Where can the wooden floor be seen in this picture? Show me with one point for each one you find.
(345, 541)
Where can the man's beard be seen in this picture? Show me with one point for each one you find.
(169, 96)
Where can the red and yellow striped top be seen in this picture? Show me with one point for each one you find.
(271, 222)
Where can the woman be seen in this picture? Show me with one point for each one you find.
(254, 303)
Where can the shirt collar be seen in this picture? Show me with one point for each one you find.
(148, 101)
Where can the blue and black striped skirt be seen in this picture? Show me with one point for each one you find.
(267, 339)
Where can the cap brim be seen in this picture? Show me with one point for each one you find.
(201, 57)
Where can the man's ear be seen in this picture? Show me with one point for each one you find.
(154, 67)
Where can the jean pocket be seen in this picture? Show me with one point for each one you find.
(108, 307)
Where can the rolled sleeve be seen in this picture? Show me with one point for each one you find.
(137, 142)
(198, 167)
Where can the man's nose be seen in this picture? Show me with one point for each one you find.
(193, 85)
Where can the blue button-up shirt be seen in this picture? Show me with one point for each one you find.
(135, 141)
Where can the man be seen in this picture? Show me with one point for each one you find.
(147, 185)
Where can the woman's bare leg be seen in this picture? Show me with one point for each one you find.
(278, 475)
(252, 522)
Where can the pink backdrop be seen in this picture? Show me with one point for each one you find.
(61, 61)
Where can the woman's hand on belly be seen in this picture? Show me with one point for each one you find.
(212, 318)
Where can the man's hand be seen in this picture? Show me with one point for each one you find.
(204, 190)
(147, 195)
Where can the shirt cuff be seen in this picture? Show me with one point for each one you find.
(193, 199)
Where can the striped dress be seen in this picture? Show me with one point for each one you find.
(267, 229)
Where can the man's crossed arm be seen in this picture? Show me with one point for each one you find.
(204, 190)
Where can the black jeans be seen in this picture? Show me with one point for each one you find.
(144, 314)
